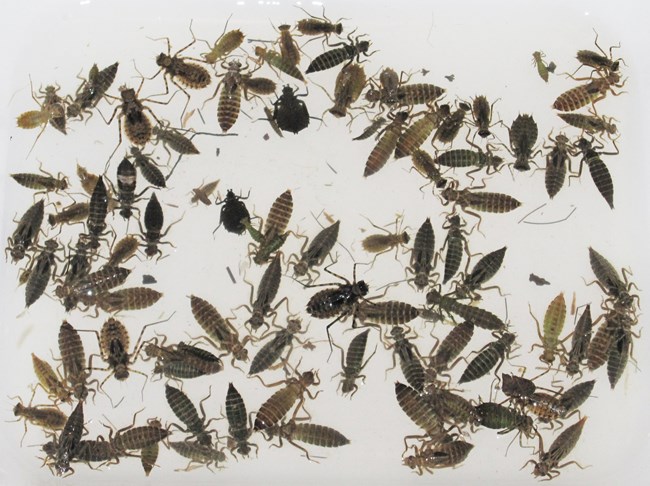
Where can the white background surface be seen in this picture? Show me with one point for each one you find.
(488, 48)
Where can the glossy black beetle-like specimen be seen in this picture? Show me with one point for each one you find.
(233, 213)
(289, 112)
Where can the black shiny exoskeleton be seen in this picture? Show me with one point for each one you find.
(126, 179)
(290, 113)
(233, 212)
(339, 301)
(153, 223)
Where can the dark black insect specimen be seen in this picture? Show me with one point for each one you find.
(68, 442)
(334, 57)
(289, 112)
(239, 428)
(354, 363)
(153, 223)
(234, 213)
(25, 234)
(338, 302)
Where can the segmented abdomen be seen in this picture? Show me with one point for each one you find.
(279, 214)
(491, 202)
(602, 178)
(229, 104)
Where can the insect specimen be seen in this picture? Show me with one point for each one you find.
(203, 193)
(483, 271)
(479, 317)
(275, 59)
(580, 342)
(523, 135)
(97, 211)
(446, 454)
(234, 213)
(224, 45)
(25, 234)
(137, 127)
(447, 350)
(49, 380)
(148, 168)
(198, 453)
(549, 461)
(422, 255)
(233, 83)
(482, 115)
(338, 302)
(274, 234)
(415, 406)
(172, 138)
(73, 357)
(455, 243)
(376, 124)
(354, 363)
(68, 440)
(315, 26)
(414, 136)
(589, 123)
(424, 164)
(451, 124)
(348, 87)
(334, 57)
(557, 161)
(496, 416)
(597, 168)
(553, 324)
(289, 112)
(591, 92)
(41, 272)
(219, 330)
(92, 90)
(239, 429)
(45, 182)
(273, 349)
(488, 202)
(492, 354)
(316, 252)
(186, 412)
(409, 358)
(381, 243)
(282, 401)
(74, 213)
(386, 144)
(542, 67)
(318, 435)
